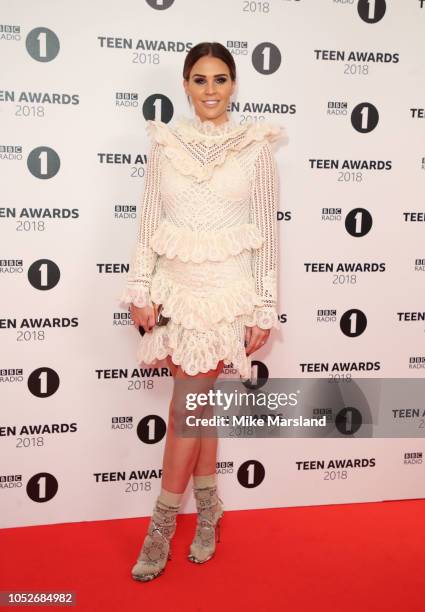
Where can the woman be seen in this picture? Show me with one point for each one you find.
(206, 254)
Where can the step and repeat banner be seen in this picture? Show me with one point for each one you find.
(82, 424)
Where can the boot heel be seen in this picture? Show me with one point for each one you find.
(218, 529)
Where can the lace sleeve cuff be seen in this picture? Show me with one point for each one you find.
(264, 317)
(137, 295)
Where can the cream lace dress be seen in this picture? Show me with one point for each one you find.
(207, 245)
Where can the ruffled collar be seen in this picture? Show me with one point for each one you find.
(185, 130)
(194, 128)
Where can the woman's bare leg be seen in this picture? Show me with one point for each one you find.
(207, 457)
(181, 454)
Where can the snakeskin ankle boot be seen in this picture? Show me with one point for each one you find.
(210, 510)
(155, 551)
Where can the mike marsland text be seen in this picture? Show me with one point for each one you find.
(266, 420)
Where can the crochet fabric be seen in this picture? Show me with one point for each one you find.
(207, 247)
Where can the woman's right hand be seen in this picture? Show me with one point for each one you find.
(144, 316)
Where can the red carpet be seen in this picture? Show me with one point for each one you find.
(334, 558)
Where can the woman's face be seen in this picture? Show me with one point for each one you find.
(210, 87)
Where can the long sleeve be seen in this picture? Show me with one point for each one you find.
(263, 212)
(139, 278)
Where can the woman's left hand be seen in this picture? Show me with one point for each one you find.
(255, 338)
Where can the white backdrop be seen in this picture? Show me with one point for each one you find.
(78, 82)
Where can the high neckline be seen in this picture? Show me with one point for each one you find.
(194, 129)
(209, 128)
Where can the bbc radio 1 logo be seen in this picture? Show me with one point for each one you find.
(353, 323)
(348, 421)
(371, 11)
(42, 44)
(43, 382)
(251, 474)
(358, 221)
(43, 162)
(266, 58)
(42, 487)
(43, 274)
(156, 107)
(364, 117)
(151, 429)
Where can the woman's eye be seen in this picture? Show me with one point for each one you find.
(220, 80)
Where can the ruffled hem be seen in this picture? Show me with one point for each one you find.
(237, 140)
(139, 296)
(199, 246)
(194, 352)
(203, 312)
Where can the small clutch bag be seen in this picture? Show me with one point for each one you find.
(161, 320)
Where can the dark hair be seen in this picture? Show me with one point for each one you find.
(214, 49)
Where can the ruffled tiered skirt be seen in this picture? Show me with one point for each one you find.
(209, 304)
